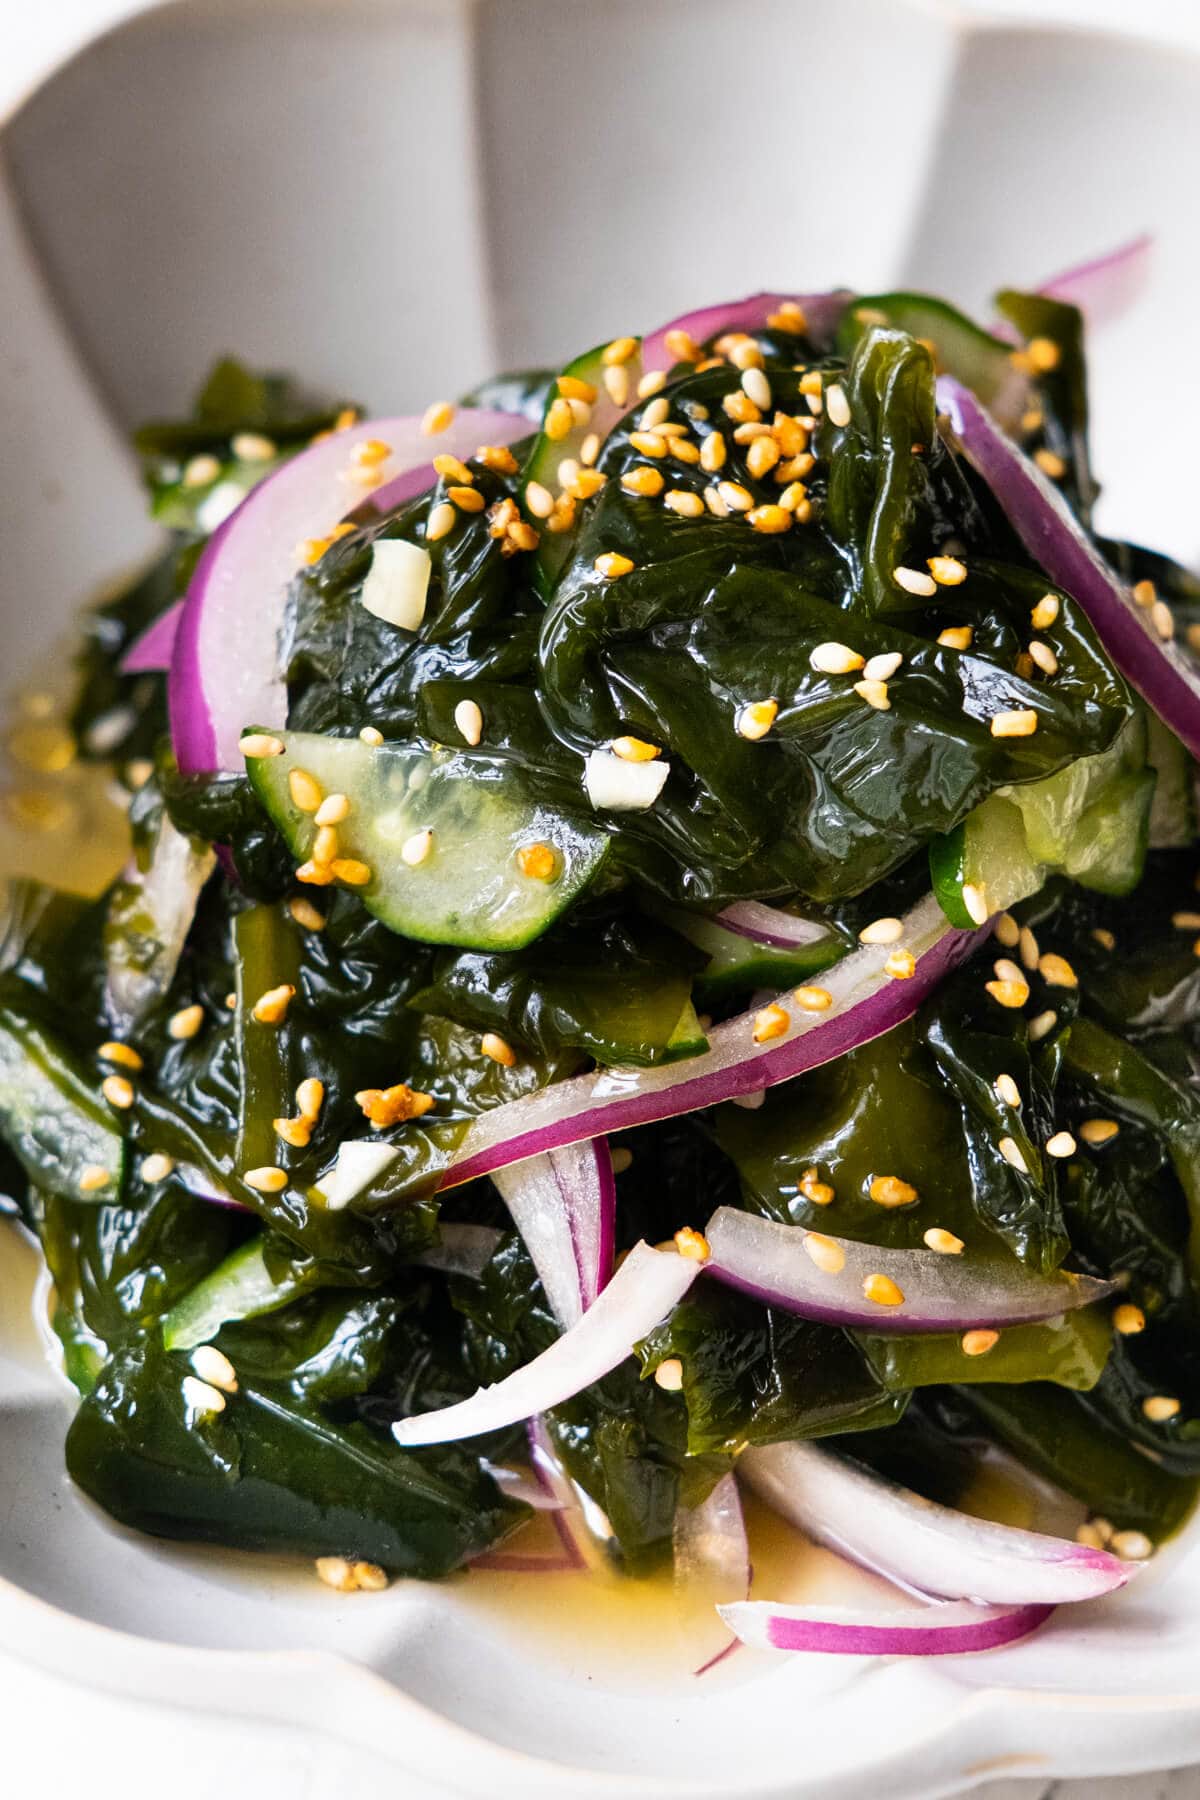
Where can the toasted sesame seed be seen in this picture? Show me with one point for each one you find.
(1042, 1025)
(1098, 1131)
(1104, 938)
(901, 965)
(752, 1101)
(1022, 722)
(792, 499)
(437, 418)
(755, 718)
(351, 871)
(369, 1578)
(770, 1022)
(296, 1132)
(1030, 953)
(1087, 1535)
(611, 564)
(310, 1097)
(466, 499)
(252, 446)
(619, 351)
(416, 849)
(1044, 354)
(200, 1397)
(770, 520)
(715, 504)
(1061, 1144)
(686, 504)
(1186, 921)
(1012, 1153)
(498, 457)
(881, 1290)
(231, 1003)
(837, 659)
(213, 1366)
(1045, 612)
(669, 1374)
(122, 1054)
(825, 1252)
(651, 383)
(498, 1049)
(622, 1159)
(975, 900)
(713, 452)
(572, 388)
(737, 498)
(634, 749)
(692, 1244)
(882, 931)
(271, 1008)
(947, 571)
(1043, 656)
(837, 406)
(657, 413)
(812, 999)
(1008, 993)
(315, 874)
(1050, 463)
(815, 1190)
(1158, 1408)
(762, 457)
(451, 469)
(1008, 932)
(259, 744)
(944, 1242)
(333, 809)
(956, 637)
(93, 1177)
(442, 519)
(1131, 1546)
(890, 1191)
(883, 666)
(325, 845)
(1163, 620)
(875, 693)
(978, 1343)
(156, 1167)
(1128, 1319)
(744, 353)
(682, 346)
(200, 471)
(1056, 971)
(268, 1180)
(538, 862)
(118, 1091)
(371, 734)
(1007, 1090)
(643, 481)
(1145, 593)
(914, 581)
(305, 790)
(1006, 970)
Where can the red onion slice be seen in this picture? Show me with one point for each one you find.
(1106, 286)
(822, 312)
(564, 1206)
(1159, 669)
(151, 653)
(770, 926)
(953, 1629)
(930, 1549)
(771, 1262)
(582, 1528)
(864, 1003)
(639, 1296)
(712, 1557)
(225, 671)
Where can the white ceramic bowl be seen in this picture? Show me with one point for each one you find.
(394, 197)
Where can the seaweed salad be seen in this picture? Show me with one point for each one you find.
(659, 955)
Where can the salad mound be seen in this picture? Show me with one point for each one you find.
(661, 928)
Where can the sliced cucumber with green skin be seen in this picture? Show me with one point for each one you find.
(467, 887)
(688, 1037)
(740, 964)
(239, 1288)
(53, 1117)
(1090, 821)
(980, 361)
(549, 452)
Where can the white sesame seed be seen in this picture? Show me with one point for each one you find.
(1038, 1028)
(200, 471)
(1043, 656)
(656, 414)
(669, 1374)
(415, 849)
(837, 407)
(875, 693)
(914, 581)
(1131, 1546)
(214, 1367)
(1011, 1151)
(756, 387)
(883, 666)
(1061, 1144)
(200, 1397)
(1008, 1090)
(1030, 953)
(468, 720)
(156, 1167)
(837, 659)
(1008, 932)
(975, 901)
(882, 931)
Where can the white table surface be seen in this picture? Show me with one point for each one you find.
(64, 1733)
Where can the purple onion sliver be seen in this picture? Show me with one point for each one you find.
(1106, 286)
(1159, 669)
(822, 311)
(769, 925)
(151, 653)
(955, 1629)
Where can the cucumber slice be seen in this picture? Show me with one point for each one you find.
(1090, 821)
(738, 964)
(549, 453)
(239, 1288)
(468, 890)
(52, 1116)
